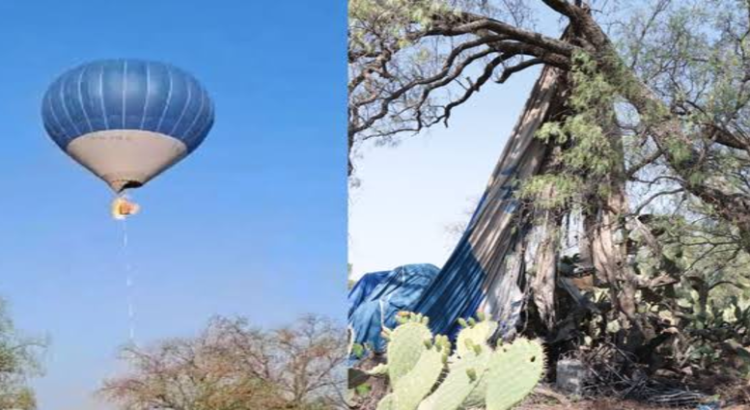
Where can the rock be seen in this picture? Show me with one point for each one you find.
(570, 376)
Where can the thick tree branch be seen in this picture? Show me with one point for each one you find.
(472, 23)
(509, 71)
(473, 88)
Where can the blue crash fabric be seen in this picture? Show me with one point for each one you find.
(363, 288)
(393, 291)
(484, 270)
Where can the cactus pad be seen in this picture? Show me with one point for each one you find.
(410, 389)
(478, 334)
(514, 371)
(406, 346)
(386, 403)
(464, 377)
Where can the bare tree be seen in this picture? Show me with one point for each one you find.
(233, 366)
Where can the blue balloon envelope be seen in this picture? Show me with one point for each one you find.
(127, 120)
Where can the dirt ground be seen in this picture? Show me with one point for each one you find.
(603, 404)
(593, 405)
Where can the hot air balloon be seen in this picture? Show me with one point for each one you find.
(127, 120)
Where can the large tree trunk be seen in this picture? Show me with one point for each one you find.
(606, 238)
(545, 256)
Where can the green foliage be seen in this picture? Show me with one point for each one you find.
(398, 21)
(587, 153)
(713, 330)
(358, 350)
(566, 188)
(363, 389)
(474, 375)
(700, 310)
(693, 57)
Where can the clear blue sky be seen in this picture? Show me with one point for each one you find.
(253, 223)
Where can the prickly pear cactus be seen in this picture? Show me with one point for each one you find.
(474, 376)
(514, 370)
(386, 403)
(463, 380)
(415, 385)
(407, 344)
(475, 333)
(415, 362)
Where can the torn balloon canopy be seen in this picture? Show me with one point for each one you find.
(122, 207)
